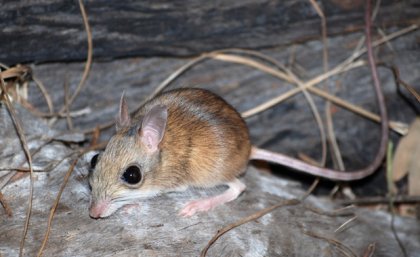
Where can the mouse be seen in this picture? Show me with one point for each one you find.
(182, 138)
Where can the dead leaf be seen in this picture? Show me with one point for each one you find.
(407, 158)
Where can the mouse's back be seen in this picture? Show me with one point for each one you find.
(206, 141)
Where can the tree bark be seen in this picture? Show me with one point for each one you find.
(45, 30)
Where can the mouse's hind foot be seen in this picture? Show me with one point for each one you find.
(202, 205)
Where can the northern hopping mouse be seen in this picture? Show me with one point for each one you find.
(182, 138)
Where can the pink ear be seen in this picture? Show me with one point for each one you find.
(153, 127)
(123, 119)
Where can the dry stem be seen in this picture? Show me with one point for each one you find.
(247, 219)
(348, 64)
(52, 212)
(57, 200)
(344, 249)
(88, 63)
(45, 93)
(5, 205)
(257, 215)
(28, 156)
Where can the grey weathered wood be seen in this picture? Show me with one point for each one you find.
(46, 30)
(153, 228)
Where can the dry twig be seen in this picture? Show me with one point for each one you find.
(88, 63)
(20, 169)
(257, 215)
(172, 77)
(6, 178)
(345, 211)
(345, 224)
(347, 251)
(391, 198)
(15, 72)
(63, 185)
(52, 211)
(330, 132)
(252, 217)
(28, 156)
(370, 250)
(45, 93)
(401, 82)
(406, 199)
(67, 106)
(89, 55)
(21, 72)
(5, 205)
(335, 151)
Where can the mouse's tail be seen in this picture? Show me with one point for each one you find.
(278, 158)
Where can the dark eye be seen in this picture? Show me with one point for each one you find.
(93, 161)
(132, 175)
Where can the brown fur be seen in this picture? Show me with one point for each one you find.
(206, 142)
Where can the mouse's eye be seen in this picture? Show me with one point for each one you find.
(132, 175)
(93, 161)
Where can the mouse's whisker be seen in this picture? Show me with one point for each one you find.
(129, 196)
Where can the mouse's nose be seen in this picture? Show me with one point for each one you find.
(97, 209)
(94, 213)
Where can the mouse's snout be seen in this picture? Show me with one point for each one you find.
(99, 209)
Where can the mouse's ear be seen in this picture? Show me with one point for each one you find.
(123, 119)
(153, 127)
